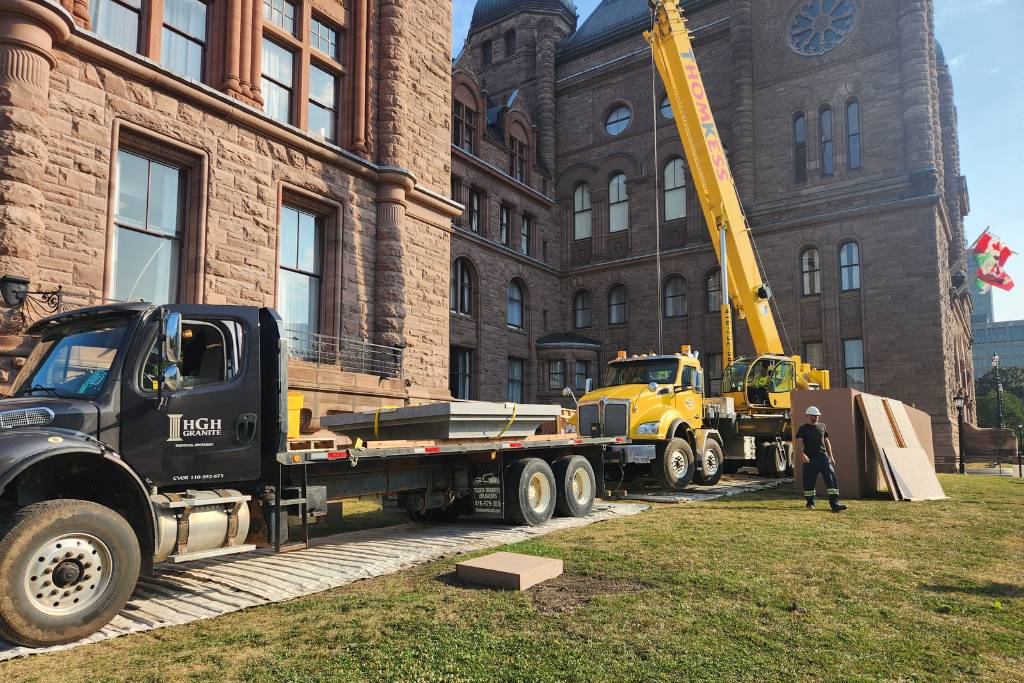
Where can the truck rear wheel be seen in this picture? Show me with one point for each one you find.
(576, 486)
(674, 465)
(712, 465)
(772, 461)
(67, 567)
(529, 491)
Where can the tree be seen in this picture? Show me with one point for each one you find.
(988, 414)
(1012, 379)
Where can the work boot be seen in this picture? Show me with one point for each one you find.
(810, 502)
(836, 506)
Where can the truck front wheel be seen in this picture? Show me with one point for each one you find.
(674, 465)
(67, 567)
(529, 491)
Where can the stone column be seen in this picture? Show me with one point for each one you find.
(546, 39)
(389, 289)
(918, 135)
(28, 31)
(742, 156)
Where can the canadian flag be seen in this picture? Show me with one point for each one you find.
(991, 255)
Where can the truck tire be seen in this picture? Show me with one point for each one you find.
(67, 567)
(529, 492)
(575, 486)
(674, 465)
(772, 461)
(713, 464)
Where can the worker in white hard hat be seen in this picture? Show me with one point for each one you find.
(818, 459)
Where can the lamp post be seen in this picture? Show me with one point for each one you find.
(999, 391)
(1020, 451)
(958, 402)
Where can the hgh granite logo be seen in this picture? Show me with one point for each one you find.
(179, 428)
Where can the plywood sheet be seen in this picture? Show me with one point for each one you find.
(913, 473)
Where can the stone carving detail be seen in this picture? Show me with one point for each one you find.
(821, 25)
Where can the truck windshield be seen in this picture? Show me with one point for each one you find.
(735, 377)
(641, 372)
(72, 361)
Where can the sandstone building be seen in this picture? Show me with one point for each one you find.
(292, 153)
(841, 129)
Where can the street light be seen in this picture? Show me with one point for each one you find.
(999, 391)
(958, 403)
(1020, 451)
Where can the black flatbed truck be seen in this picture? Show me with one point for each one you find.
(140, 434)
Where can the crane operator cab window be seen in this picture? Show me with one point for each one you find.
(769, 376)
(210, 350)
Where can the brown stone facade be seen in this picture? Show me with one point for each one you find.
(71, 101)
(902, 205)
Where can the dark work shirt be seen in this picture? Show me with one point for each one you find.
(813, 436)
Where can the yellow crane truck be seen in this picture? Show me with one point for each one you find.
(677, 431)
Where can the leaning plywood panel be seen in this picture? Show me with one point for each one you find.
(914, 474)
(879, 428)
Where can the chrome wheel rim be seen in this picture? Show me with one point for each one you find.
(581, 486)
(68, 574)
(539, 492)
(711, 462)
(679, 464)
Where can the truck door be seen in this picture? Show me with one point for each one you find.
(208, 430)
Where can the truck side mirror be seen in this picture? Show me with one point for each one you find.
(172, 378)
(172, 339)
(588, 386)
(652, 387)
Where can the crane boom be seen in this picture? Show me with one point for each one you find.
(709, 168)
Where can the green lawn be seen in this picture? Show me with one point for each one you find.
(746, 588)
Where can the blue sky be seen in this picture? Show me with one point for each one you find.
(983, 45)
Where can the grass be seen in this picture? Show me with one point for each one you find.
(745, 588)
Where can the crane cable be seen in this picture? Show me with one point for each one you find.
(660, 302)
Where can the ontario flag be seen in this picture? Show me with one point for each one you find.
(991, 256)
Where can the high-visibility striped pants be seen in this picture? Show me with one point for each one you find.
(812, 469)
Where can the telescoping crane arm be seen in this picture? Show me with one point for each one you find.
(709, 168)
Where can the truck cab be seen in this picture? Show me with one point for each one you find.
(658, 403)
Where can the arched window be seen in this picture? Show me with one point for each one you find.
(827, 144)
(618, 204)
(581, 309)
(618, 120)
(516, 305)
(666, 107)
(464, 126)
(853, 151)
(810, 269)
(582, 218)
(618, 302)
(510, 43)
(675, 297)
(518, 152)
(713, 289)
(461, 290)
(675, 190)
(800, 147)
(849, 267)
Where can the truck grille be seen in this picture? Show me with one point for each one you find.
(588, 418)
(28, 417)
(616, 419)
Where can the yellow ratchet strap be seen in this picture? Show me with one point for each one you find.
(376, 421)
(511, 420)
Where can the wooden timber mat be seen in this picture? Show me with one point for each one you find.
(184, 593)
(729, 485)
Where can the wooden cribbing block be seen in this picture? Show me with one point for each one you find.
(511, 571)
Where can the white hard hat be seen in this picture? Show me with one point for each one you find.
(813, 411)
